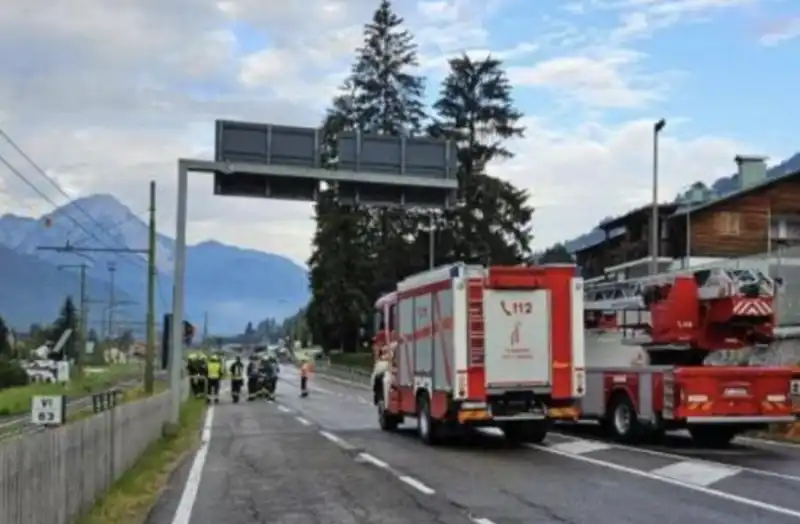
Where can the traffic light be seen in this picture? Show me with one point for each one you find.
(188, 332)
(166, 341)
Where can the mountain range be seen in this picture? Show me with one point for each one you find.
(720, 187)
(229, 284)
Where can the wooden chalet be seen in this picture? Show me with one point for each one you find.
(626, 243)
(758, 218)
(762, 215)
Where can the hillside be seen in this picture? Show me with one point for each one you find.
(23, 303)
(230, 284)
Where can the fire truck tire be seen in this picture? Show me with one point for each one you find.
(427, 428)
(622, 420)
(712, 436)
(387, 421)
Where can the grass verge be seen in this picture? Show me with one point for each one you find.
(15, 401)
(132, 496)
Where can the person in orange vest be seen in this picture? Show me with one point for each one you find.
(305, 371)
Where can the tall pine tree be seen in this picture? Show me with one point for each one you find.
(476, 110)
(357, 251)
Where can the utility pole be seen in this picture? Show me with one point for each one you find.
(150, 353)
(69, 248)
(655, 230)
(112, 269)
(84, 316)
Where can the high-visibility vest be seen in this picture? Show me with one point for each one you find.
(305, 369)
(214, 370)
(237, 370)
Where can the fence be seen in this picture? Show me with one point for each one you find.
(54, 476)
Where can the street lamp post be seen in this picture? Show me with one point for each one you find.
(654, 225)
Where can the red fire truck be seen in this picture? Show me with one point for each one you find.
(664, 352)
(465, 345)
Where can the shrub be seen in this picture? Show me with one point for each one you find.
(12, 374)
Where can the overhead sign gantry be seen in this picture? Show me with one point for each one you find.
(257, 160)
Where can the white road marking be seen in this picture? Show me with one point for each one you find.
(372, 459)
(284, 409)
(183, 513)
(336, 440)
(697, 473)
(579, 447)
(648, 475)
(481, 520)
(681, 458)
(303, 421)
(417, 485)
(765, 442)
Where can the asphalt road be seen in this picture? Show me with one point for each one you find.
(322, 459)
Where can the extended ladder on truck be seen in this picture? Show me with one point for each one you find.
(469, 346)
(648, 343)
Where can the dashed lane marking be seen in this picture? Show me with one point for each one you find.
(372, 459)
(337, 440)
(284, 409)
(368, 458)
(417, 485)
(303, 421)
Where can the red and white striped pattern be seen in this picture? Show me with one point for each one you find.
(751, 307)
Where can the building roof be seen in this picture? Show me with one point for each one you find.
(728, 197)
(642, 210)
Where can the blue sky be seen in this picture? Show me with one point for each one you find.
(135, 88)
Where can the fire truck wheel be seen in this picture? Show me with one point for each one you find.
(622, 420)
(427, 428)
(387, 421)
(712, 436)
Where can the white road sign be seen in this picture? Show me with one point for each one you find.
(48, 409)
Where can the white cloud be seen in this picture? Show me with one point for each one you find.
(582, 174)
(602, 80)
(780, 32)
(106, 96)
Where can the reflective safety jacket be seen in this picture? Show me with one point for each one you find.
(214, 369)
(237, 370)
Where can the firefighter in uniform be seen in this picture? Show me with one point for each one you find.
(193, 368)
(269, 369)
(202, 375)
(253, 386)
(237, 378)
(214, 372)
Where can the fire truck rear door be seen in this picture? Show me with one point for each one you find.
(517, 339)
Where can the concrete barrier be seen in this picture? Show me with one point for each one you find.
(54, 476)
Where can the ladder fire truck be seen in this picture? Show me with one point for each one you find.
(651, 347)
(468, 346)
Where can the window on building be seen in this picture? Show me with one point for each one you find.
(729, 224)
